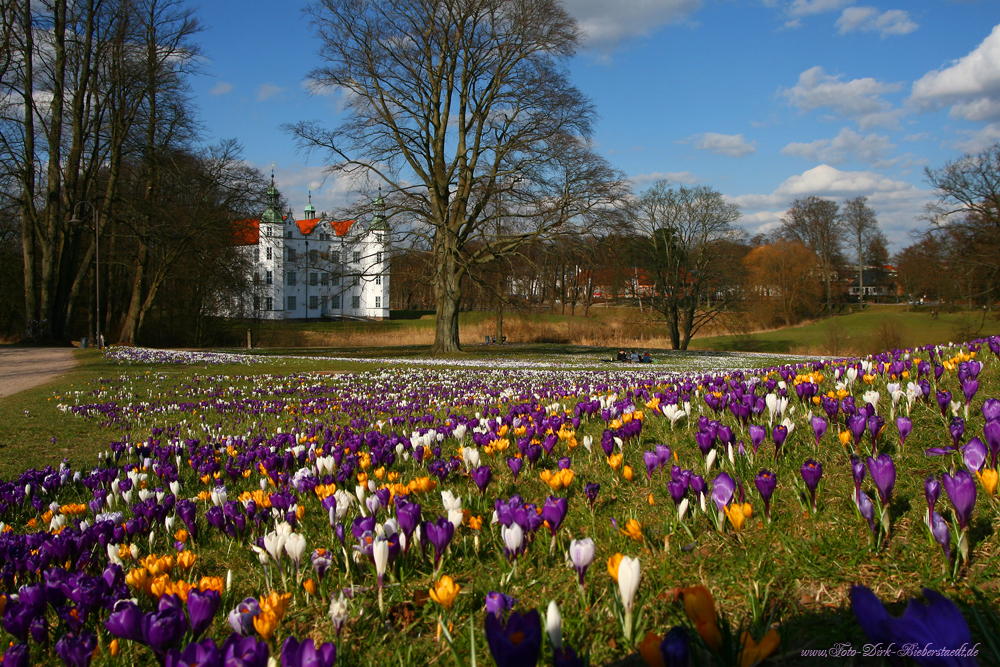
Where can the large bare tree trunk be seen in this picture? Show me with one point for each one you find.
(130, 326)
(447, 293)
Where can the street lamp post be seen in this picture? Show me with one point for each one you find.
(97, 267)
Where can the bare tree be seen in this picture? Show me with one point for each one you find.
(816, 223)
(686, 233)
(448, 102)
(966, 217)
(860, 226)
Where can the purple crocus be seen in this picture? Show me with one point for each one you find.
(307, 654)
(757, 435)
(766, 481)
(498, 604)
(125, 622)
(935, 626)
(819, 426)
(723, 488)
(663, 455)
(515, 464)
(553, 512)
(238, 651)
(75, 650)
(858, 473)
(778, 435)
(652, 462)
(591, 489)
(957, 429)
(941, 534)
(204, 652)
(961, 490)
(677, 489)
(857, 424)
(974, 455)
(482, 477)
(516, 643)
(944, 401)
(932, 491)
(992, 434)
(812, 473)
(439, 533)
(904, 425)
(241, 618)
(867, 510)
(202, 606)
(991, 409)
(883, 472)
(18, 655)
(676, 647)
(163, 629)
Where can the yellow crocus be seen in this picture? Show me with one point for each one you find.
(136, 578)
(633, 529)
(265, 622)
(649, 649)
(989, 478)
(845, 438)
(445, 591)
(736, 516)
(627, 473)
(753, 652)
(700, 608)
(310, 586)
(613, 564)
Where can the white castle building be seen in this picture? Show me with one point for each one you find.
(316, 267)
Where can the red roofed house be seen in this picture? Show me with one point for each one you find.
(316, 267)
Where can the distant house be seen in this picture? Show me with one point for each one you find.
(314, 267)
(879, 283)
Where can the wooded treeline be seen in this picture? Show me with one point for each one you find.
(95, 107)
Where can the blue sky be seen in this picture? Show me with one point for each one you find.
(764, 100)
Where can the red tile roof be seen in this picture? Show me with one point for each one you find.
(340, 227)
(246, 232)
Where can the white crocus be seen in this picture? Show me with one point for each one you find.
(553, 625)
(682, 509)
(588, 443)
(295, 547)
(113, 555)
(582, 552)
(513, 537)
(339, 613)
(628, 584)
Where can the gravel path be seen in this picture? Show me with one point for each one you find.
(26, 367)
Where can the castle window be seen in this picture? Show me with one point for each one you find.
(290, 278)
(269, 303)
(291, 303)
(355, 302)
(269, 250)
(313, 278)
(324, 279)
(291, 254)
(357, 256)
(335, 257)
(256, 254)
(335, 280)
(335, 301)
(378, 302)
(313, 256)
(313, 302)
(288, 234)
(378, 279)
(378, 257)
(269, 279)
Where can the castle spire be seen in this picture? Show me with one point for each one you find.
(310, 212)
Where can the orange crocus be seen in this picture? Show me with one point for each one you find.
(649, 649)
(613, 564)
(753, 652)
(700, 608)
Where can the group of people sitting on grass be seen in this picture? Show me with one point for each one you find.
(634, 357)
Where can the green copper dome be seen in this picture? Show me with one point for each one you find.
(378, 218)
(271, 213)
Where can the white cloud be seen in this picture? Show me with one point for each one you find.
(970, 84)
(683, 177)
(870, 19)
(980, 140)
(859, 99)
(606, 24)
(846, 146)
(898, 204)
(269, 91)
(221, 88)
(800, 8)
(733, 145)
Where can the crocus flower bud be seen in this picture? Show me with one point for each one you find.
(553, 625)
